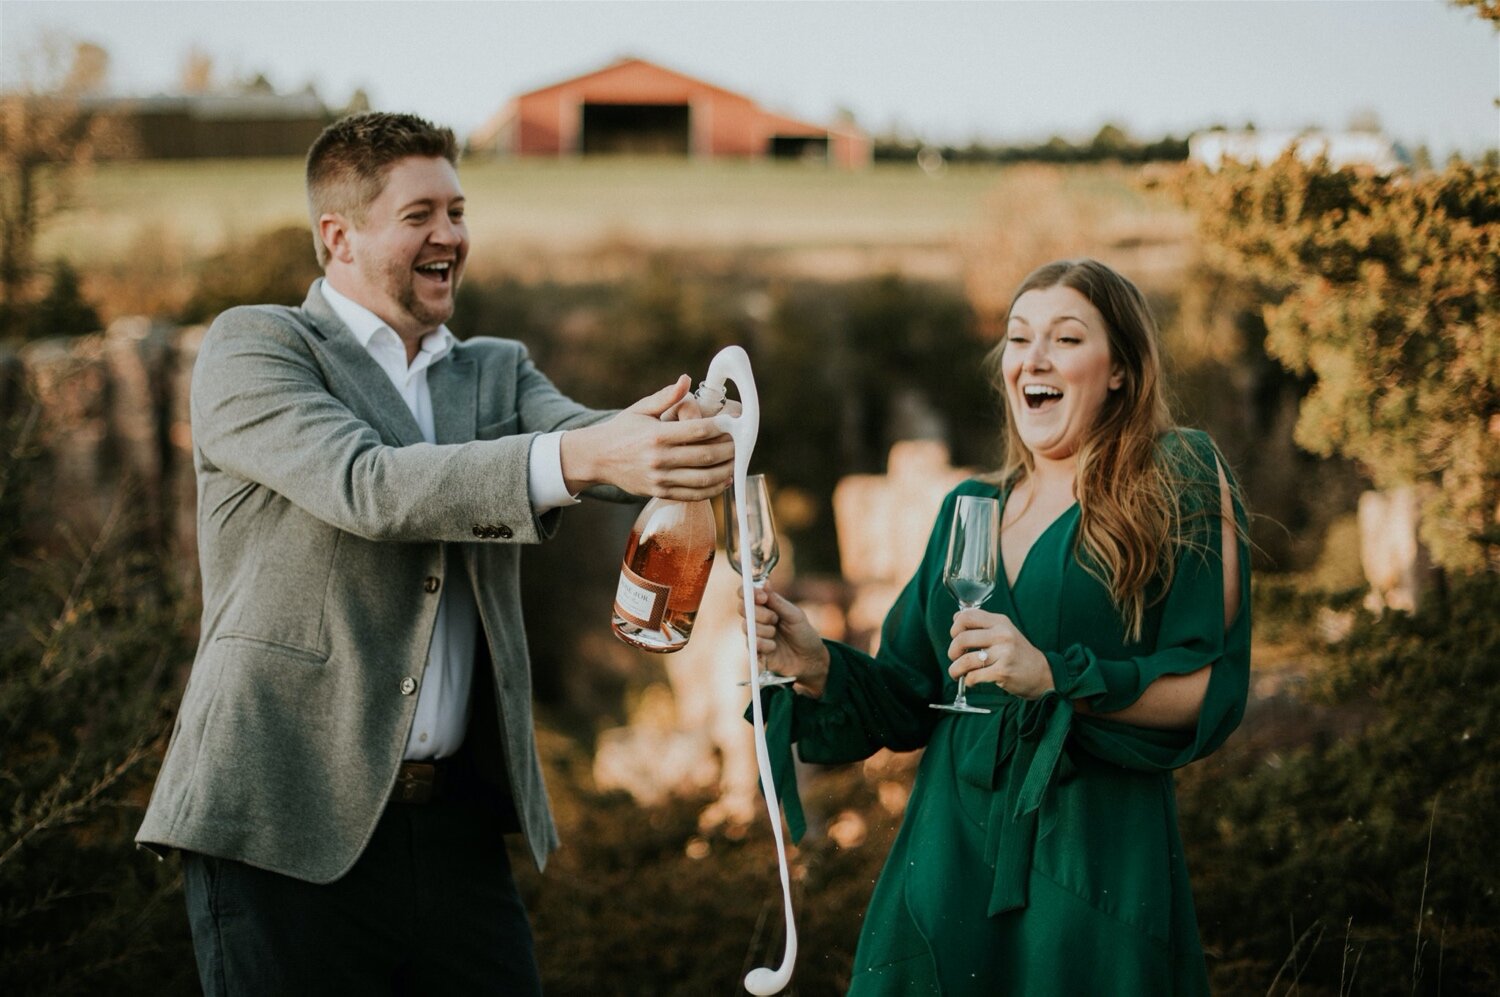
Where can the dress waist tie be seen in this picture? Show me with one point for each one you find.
(1037, 730)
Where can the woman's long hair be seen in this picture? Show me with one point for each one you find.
(1130, 500)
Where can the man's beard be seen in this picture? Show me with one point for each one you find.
(426, 315)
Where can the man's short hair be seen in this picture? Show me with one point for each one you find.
(347, 164)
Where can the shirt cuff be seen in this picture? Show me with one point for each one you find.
(544, 478)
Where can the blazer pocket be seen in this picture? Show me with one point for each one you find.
(275, 647)
(495, 430)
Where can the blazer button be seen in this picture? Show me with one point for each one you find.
(431, 584)
(490, 533)
(478, 530)
(505, 532)
(408, 686)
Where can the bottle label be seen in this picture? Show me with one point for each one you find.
(640, 601)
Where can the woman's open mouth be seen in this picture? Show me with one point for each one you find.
(1040, 396)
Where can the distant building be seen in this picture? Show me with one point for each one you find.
(254, 123)
(637, 107)
(1358, 150)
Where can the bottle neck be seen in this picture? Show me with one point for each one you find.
(710, 398)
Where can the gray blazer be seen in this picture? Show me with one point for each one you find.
(326, 527)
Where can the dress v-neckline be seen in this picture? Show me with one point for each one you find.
(1011, 583)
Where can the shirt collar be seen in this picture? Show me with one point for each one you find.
(365, 324)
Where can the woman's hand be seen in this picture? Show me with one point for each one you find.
(987, 647)
(787, 642)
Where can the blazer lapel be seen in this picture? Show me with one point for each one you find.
(360, 382)
(453, 383)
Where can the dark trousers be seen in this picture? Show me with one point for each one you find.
(429, 908)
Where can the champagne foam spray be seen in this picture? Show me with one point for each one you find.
(733, 364)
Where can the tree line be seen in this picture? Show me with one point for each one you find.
(1111, 143)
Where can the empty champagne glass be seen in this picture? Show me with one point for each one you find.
(762, 546)
(969, 573)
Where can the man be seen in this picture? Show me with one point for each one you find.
(356, 735)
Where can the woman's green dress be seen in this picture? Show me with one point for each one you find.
(1039, 854)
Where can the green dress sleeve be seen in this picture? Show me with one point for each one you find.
(1191, 635)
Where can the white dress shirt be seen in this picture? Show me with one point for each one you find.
(443, 701)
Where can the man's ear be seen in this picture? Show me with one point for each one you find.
(334, 229)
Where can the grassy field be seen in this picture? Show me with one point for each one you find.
(891, 216)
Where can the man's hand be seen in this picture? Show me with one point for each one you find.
(638, 452)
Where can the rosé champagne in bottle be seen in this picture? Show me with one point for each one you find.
(666, 565)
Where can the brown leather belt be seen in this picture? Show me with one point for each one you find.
(422, 782)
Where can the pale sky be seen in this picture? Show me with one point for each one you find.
(948, 72)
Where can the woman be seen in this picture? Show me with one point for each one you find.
(1040, 852)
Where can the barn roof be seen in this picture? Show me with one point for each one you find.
(615, 80)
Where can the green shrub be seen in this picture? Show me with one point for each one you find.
(274, 267)
(63, 311)
(1380, 293)
(91, 639)
(639, 903)
(1368, 822)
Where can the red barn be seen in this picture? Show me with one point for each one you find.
(637, 107)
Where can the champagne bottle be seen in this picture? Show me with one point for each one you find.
(666, 565)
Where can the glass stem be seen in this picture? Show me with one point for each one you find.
(961, 699)
(762, 675)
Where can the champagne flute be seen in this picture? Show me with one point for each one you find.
(763, 549)
(971, 567)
